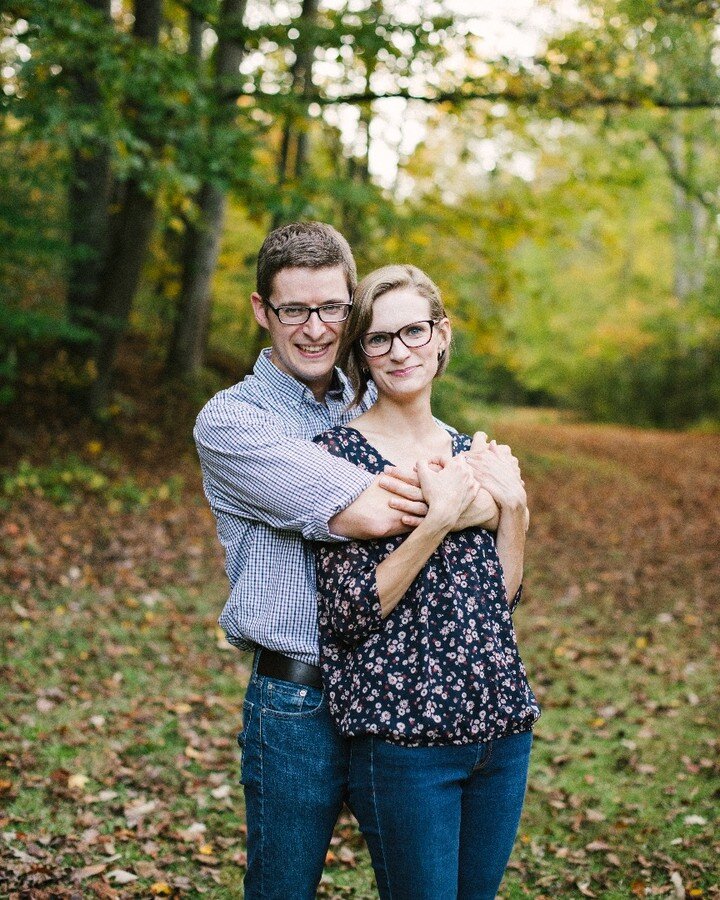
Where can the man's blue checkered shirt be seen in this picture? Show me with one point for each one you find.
(271, 490)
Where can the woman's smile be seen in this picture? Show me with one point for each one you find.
(404, 372)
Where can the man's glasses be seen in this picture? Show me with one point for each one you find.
(295, 314)
(416, 334)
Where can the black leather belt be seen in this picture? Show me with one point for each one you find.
(276, 665)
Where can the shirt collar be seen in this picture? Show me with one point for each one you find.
(285, 387)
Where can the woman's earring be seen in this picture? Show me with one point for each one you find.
(441, 355)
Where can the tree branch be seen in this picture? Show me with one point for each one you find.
(691, 189)
(460, 96)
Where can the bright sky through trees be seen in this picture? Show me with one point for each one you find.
(515, 29)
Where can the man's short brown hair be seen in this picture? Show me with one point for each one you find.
(310, 245)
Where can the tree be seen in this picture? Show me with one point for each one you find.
(89, 191)
(204, 232)
(130, 231)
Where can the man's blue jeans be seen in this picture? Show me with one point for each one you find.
(440, 822)
(294, 771)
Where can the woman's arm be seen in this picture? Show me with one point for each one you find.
(355, 593)
(499, 472)
(510, 544)
(448, 493)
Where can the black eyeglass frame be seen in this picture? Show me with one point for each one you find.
(396, 334)
(310, 310)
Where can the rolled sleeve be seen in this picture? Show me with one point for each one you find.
(253, 468)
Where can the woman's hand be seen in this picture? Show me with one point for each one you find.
(447, 491)
(498, 471)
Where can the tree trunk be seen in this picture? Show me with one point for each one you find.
(196, 29)
(187, 349)
(202, 246)
(293, 151)
(690, 223)
(130, 232)
(133, 229)
(89, 194)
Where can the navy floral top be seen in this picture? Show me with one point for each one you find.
(443, 667)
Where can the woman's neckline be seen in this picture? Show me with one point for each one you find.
(380, 456)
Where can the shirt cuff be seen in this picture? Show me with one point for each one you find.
(516, 600)
(330, 499)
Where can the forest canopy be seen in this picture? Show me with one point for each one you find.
(558, 176)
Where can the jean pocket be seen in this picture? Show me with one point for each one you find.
(288, 699)
(248, 709)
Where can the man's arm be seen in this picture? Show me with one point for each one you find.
(393, 504)
(252, 467)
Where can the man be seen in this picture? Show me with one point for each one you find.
(272, 490)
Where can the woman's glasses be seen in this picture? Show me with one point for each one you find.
(416, 334)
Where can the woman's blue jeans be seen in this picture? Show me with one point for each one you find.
(440, 822)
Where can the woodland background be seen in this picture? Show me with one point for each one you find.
(555, 167)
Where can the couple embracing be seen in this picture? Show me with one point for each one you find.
(375, 557)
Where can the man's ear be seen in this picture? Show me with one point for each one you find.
(260, 310)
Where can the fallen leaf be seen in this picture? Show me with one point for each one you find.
(193, 833)
(89, 871)
(678, 886)
(77, 781)
(120, 876)
(138, 810)
(596, 846)
(594, 815)
(347, 857)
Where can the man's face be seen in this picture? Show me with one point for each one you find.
(307, 352)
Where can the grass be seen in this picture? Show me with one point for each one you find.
(119, 706)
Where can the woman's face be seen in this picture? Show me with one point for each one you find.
(405, 371)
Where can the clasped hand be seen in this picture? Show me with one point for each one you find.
(497, 485)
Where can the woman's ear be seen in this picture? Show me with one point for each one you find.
(445, 332)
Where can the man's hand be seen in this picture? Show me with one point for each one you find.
(407, 496)
(392, 505)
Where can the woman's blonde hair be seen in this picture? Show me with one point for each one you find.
(374, 285)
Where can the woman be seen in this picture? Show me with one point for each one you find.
(417, 645)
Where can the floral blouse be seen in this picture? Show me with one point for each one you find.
(443, 667)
